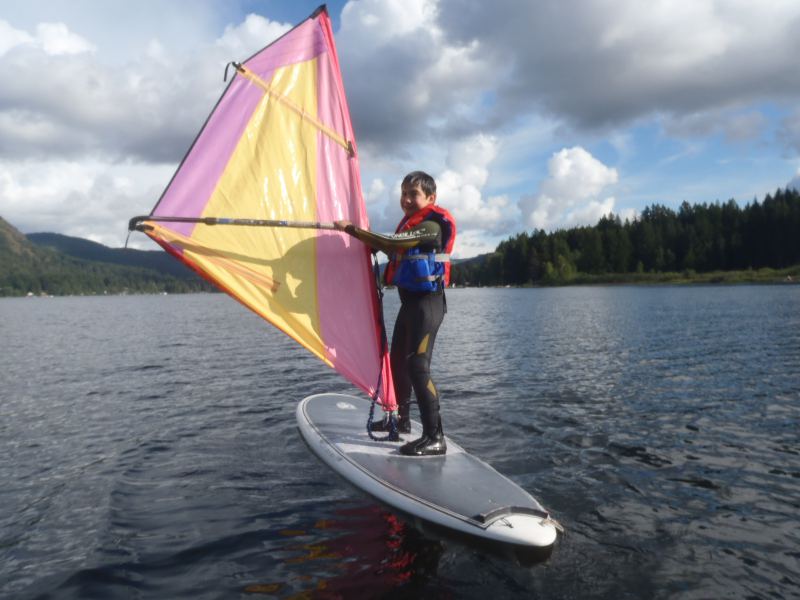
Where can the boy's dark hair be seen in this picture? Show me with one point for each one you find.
(421, 178)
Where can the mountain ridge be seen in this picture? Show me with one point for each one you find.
(57, 264)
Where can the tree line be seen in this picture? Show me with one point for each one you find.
(696, 238)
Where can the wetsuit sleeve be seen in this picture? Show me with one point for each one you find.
(426, 233)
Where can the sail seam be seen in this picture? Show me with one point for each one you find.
(299, 110)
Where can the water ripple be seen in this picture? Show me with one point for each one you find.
(152, 456)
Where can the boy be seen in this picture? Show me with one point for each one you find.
(419, 265)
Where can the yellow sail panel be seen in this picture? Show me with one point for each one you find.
(252, 285)
(266, 180)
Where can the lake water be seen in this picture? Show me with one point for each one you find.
(149, 449)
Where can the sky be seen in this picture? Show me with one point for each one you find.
(543, 114)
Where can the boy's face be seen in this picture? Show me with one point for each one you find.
(413, 199)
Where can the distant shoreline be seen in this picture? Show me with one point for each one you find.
(789, 276)
(762, 276)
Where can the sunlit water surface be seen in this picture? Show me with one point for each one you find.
(149, 449)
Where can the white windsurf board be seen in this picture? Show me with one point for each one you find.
(457, 490)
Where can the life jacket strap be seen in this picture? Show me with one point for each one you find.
(423, 256)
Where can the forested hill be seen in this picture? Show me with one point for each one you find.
(88, 250)
(700, 238)
(60, 265)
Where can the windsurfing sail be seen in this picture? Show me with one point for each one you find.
(279, 150)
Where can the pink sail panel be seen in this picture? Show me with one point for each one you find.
(279, 145)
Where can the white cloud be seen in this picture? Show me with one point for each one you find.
(56, 38)
(91, 199)
(254, 33)
(376, 191)
(12, 38)
(571, 193)
(460, 186)
(53, 39)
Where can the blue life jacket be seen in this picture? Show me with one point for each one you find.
(420, 271)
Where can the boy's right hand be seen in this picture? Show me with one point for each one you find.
(342, 225)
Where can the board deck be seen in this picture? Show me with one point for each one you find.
(457, 491)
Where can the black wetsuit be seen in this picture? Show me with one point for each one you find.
(418, 321)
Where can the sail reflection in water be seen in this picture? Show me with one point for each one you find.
(370, 553)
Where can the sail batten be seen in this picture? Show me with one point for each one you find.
(278, 153)
(298, 110)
